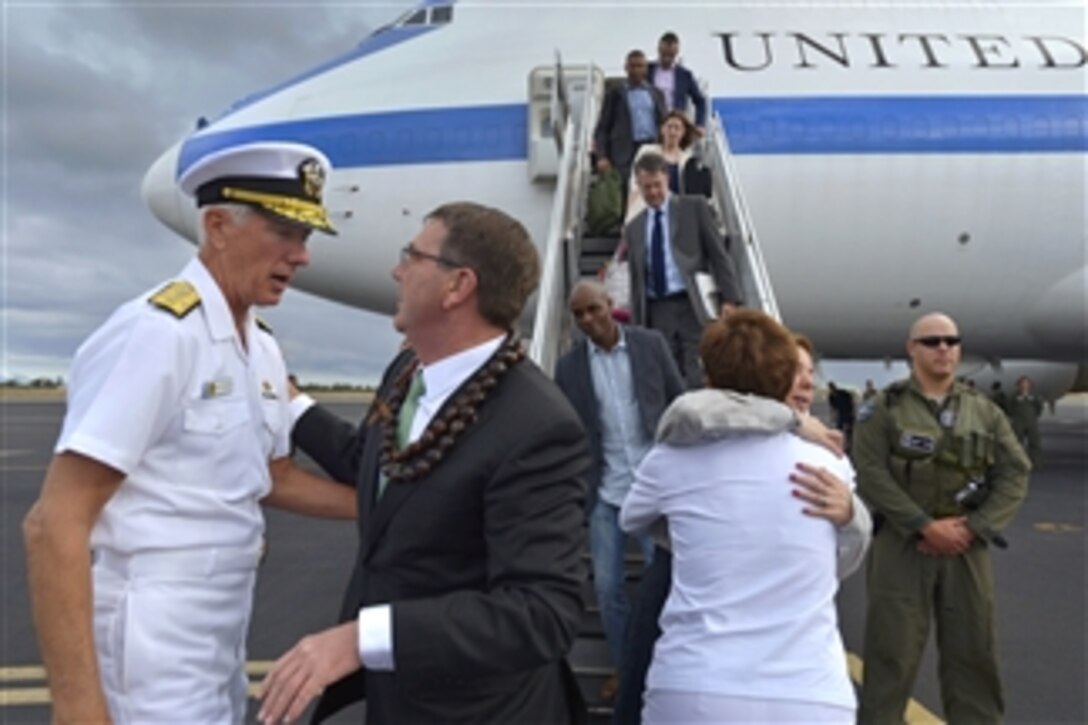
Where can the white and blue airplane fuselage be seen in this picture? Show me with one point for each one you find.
(895, 157)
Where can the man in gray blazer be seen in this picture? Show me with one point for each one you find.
(620, 380)
(669, 244)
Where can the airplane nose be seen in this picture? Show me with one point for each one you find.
(163, 197)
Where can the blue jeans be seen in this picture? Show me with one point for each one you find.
(638, 650)
(607, 544)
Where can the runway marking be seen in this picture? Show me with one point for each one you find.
(24, 696)
(1057, 527)
(916, 713)
(37, 695)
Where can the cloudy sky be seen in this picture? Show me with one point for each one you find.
(93, 92)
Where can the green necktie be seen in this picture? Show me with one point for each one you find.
(408, 409)
(404, 420)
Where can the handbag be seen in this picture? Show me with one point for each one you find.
(616, 278)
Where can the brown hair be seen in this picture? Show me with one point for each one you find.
(652, 163)
(689, 128)
(499, 250)
(749, 352)
(805, 344)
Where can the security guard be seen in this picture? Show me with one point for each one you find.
(143, 546)
(939, 463)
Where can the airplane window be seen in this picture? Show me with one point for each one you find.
(417, 18)
(441, 14)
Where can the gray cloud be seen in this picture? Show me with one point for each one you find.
(93, 94)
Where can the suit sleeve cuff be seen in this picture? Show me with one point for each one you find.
(298, 407)
(376, 637)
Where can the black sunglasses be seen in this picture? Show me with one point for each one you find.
(936, 340)
(409, 252)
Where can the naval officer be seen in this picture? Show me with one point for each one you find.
(143, 546)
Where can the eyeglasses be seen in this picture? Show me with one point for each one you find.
(936, 340)
(409, 252)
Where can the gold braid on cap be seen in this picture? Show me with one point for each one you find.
(289, 207)
(457, 414)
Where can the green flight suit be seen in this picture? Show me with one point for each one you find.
(912, 456)
(1024, 412)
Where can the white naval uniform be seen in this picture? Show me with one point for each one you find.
(192, 419)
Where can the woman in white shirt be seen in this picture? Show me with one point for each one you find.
(750, 632)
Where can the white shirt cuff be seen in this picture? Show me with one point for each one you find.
(376, 637)
(299, 405)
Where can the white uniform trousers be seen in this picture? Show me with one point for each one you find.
(170, 631)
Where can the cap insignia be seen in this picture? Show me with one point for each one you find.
(312, 175)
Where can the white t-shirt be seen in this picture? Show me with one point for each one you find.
(187, 414)
(751, 611)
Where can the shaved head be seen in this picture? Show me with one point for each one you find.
(934, 350)
(934, 323)
(591, 307)
(588, 289)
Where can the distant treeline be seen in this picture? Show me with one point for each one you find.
(56, 383)
(335, 388)
(36, 383)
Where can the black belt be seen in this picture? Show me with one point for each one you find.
(673, 296)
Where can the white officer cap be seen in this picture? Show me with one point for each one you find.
(284, 179)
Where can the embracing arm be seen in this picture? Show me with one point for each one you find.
(331, 441)
(57, 534)
(853, 538)
(828, 496)
(301, 492)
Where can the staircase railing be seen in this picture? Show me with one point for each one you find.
(744, 243)
(562, 247)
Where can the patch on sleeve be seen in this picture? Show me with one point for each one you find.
(178, 298)
(866, 410)
(263, 325)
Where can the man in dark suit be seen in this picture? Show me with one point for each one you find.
(676, 83)
(671, 244)
(620, 380)
(631, 115)
(466, 594)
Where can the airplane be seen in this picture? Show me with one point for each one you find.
(893, 157)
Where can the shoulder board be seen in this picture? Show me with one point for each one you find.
(178, 298)
(262, 324)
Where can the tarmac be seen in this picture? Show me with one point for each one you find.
(1041, 581)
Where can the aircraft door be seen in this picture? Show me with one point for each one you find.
(546, 109)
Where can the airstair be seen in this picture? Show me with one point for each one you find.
(573, 134)
(568, 255)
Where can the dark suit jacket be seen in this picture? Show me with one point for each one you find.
(696, 247)
(657, 382)
(684, 87)
(480, 559)
(613, 138)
